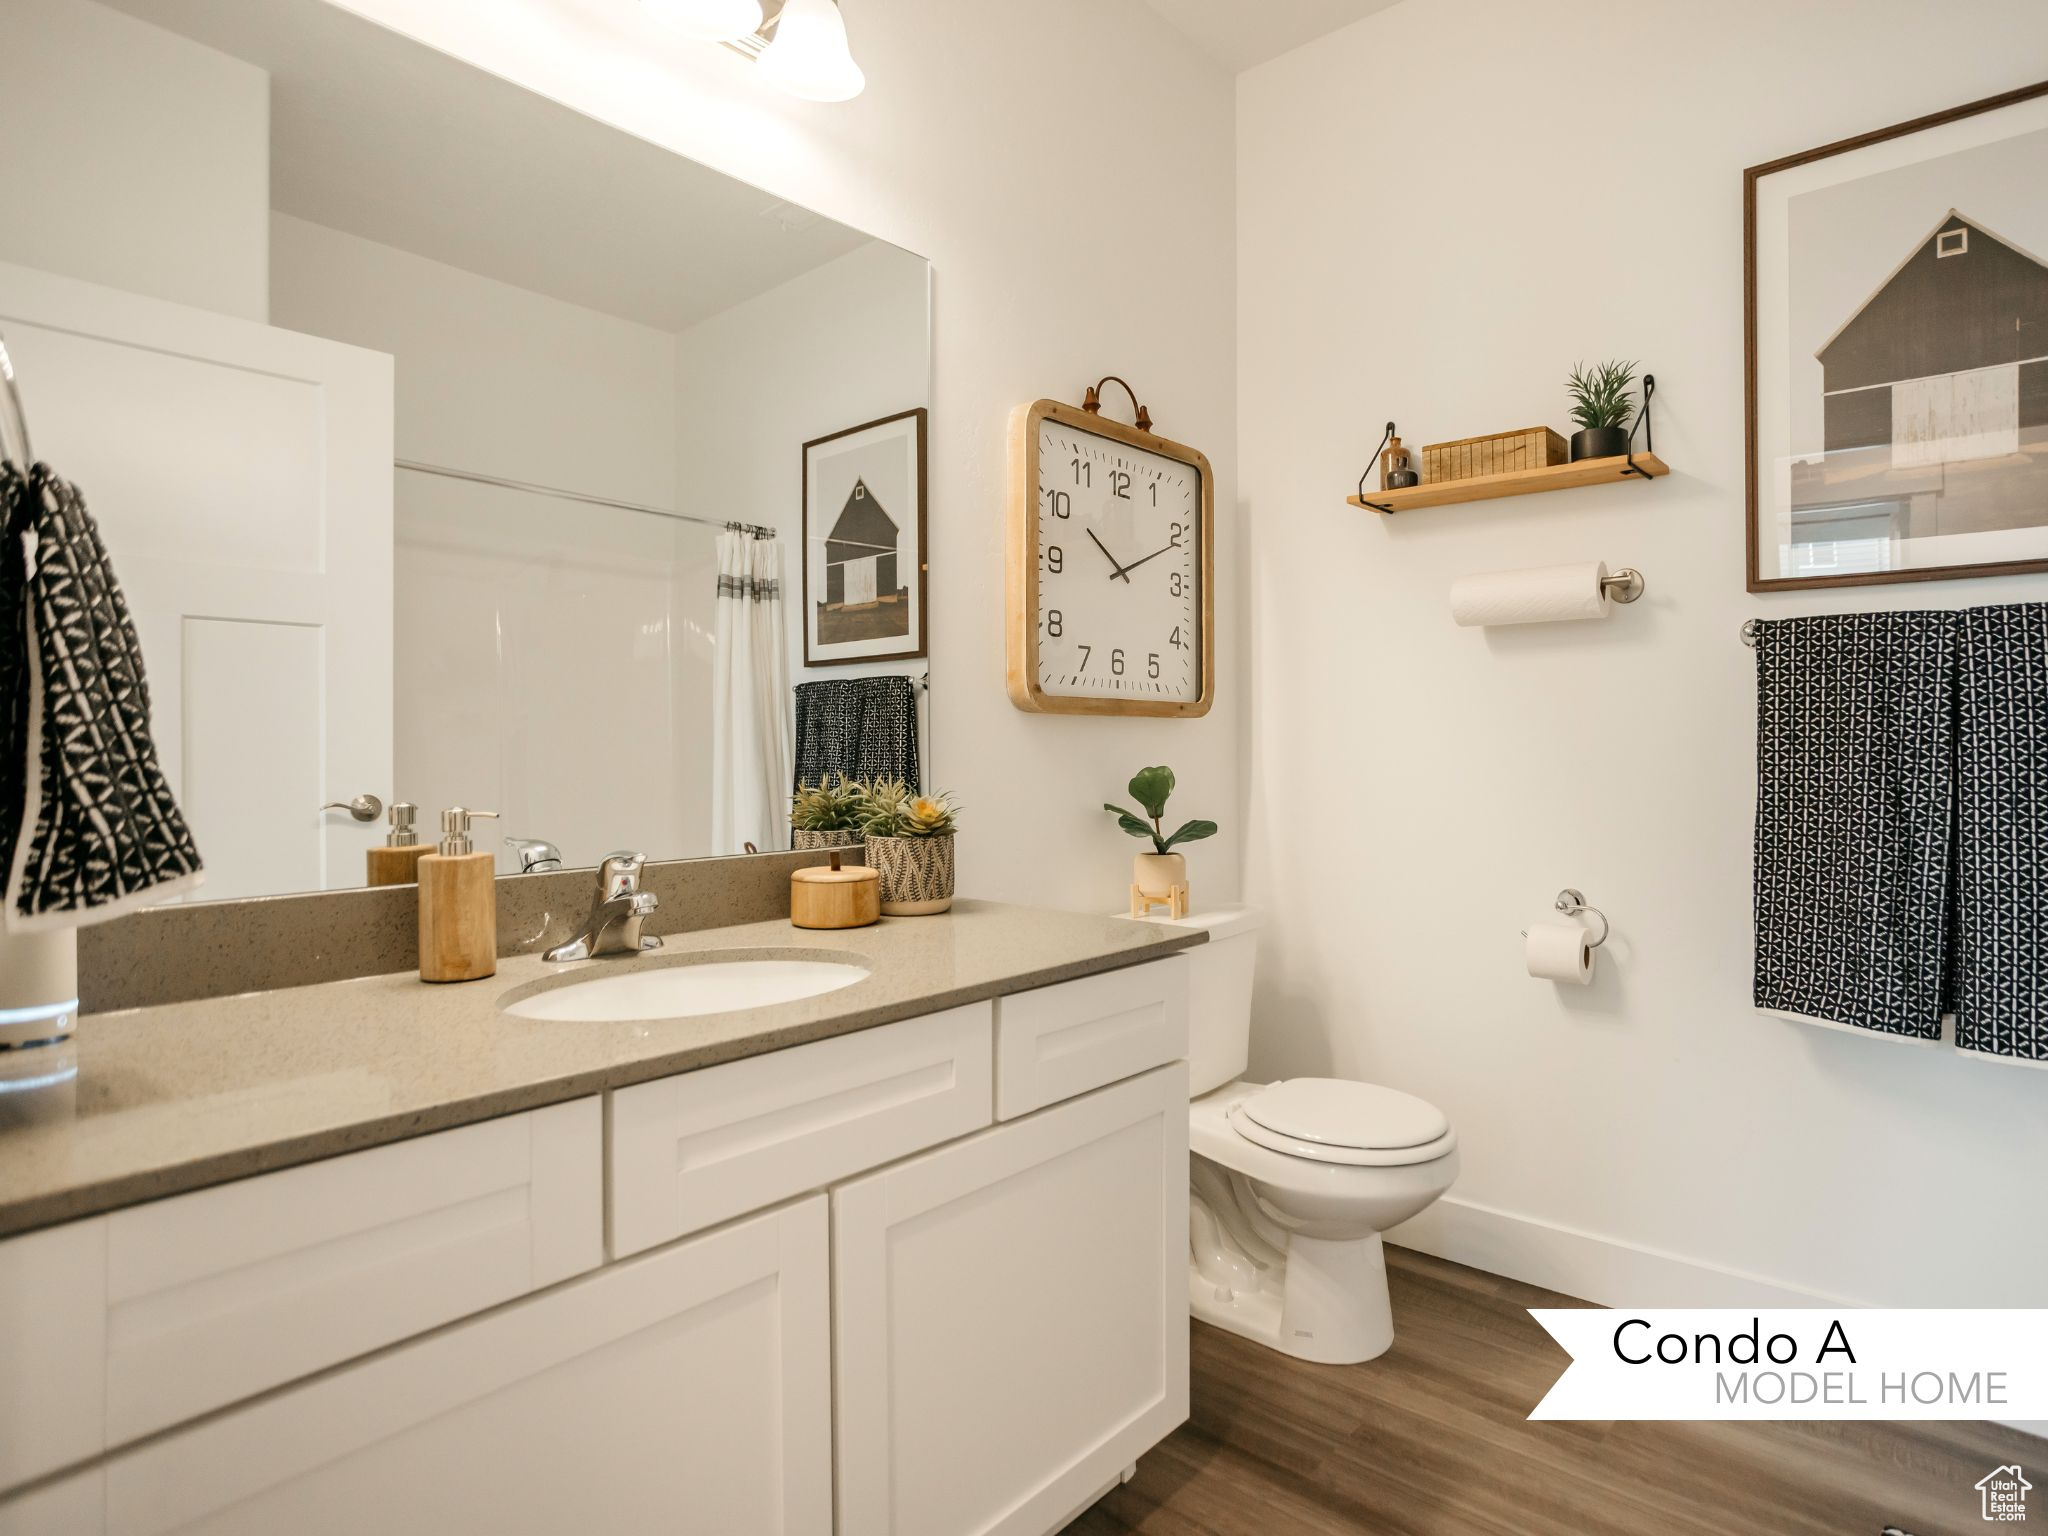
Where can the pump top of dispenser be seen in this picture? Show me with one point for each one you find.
(405, 831)
(455, 830)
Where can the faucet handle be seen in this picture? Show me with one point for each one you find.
(619, 873)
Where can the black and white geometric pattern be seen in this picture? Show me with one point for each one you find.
(2001, 948)
(863, 727)
(89, 826)
(1855, 818)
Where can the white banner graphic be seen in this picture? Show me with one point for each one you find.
(1796, 1364)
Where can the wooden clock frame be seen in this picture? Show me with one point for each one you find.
(1022, 561)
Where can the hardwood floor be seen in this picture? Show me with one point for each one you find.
(1432, 1439)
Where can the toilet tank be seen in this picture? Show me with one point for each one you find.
(1219, 993)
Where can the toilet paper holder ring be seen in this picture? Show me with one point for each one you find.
(1571, 903)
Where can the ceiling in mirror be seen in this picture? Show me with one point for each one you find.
(424, 418)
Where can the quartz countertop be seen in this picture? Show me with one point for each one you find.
(179, 1097)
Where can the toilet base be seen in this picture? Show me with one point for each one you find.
(1330, 1304)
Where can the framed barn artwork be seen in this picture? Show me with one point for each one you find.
(1896, 351)
(864, 543)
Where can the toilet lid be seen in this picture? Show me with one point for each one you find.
(1336, 1112)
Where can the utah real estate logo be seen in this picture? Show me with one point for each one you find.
(2005, 1494)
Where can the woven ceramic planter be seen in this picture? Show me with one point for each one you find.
(917, 873)
(805, 841)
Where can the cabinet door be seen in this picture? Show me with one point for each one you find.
(687, 1391)
(1012, 1316)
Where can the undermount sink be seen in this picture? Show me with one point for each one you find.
(685, 991)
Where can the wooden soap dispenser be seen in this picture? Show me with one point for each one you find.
(397, 862)
(458, 904)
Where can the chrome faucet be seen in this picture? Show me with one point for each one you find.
(535, 856)
(613, 927)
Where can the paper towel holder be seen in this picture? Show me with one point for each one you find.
(1623, 586)
(1571, 903)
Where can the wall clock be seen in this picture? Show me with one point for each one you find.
(1111, 566)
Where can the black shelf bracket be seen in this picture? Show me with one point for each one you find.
(1385, 438)
(1643, 421)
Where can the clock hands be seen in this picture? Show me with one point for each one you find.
(1120, 570)
(1125, 570)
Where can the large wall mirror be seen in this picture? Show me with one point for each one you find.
(447, 442)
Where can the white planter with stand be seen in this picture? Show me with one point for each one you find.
(1159, 880)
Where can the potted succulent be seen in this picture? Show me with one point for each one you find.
(1601, 406)
(1161, 875)
(910, 845)
(827, 814)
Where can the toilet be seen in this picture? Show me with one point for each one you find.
(1293, 1182)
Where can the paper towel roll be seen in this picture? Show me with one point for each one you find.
(1559, 952)
(1539, 596)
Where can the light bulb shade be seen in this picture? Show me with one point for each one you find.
(809, 57)
(709, 21)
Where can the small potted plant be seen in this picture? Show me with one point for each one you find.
(827, 814)
(1161, 875)
(910, 846)
(1601, 405)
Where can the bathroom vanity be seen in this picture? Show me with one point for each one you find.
(906, 1257)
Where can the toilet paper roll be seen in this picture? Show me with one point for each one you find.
(1559, 952)
(1541, 596)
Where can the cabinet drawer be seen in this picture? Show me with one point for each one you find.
(182, 1306)
(690, 1151)
(1064, 1040)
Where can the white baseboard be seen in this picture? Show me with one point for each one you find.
(1589, 1266)
(1602, 1269)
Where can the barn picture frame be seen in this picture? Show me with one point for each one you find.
(1895, 352)
(865, 566)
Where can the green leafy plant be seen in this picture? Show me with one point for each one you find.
(1600, 395)
(1149, 788)
(890, 808)
(832, 805)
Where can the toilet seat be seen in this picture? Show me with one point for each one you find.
(1335, 1120)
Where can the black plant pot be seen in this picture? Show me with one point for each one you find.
(1599, 443)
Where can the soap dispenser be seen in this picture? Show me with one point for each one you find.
(397, 862)
(458, 904)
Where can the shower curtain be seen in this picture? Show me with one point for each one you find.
(750, 699)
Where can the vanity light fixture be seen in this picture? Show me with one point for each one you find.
(709, 21)
(802, 49)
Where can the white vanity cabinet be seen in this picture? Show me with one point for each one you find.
(1011, 1316)
(925, 1279)
(687, 1391)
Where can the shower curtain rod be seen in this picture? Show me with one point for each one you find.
(758, 530)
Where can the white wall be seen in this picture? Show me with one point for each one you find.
(1439, 210)
(1067, 168)
(151, 169)
(843, 344)
(535, 637)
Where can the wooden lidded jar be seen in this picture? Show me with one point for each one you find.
(835, 896)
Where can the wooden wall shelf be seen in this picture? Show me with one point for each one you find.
(1518, 482)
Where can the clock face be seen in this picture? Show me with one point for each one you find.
(1119, 570)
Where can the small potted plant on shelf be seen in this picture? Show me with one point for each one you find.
(910, 846)
(1601, 406)
(1161, 876)
(827, 814)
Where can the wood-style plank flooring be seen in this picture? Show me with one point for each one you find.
(1433, 1439)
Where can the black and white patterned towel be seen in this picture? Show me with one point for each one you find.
(88, 825)
(863, 727)
(1855, 818)
(2001, 950)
